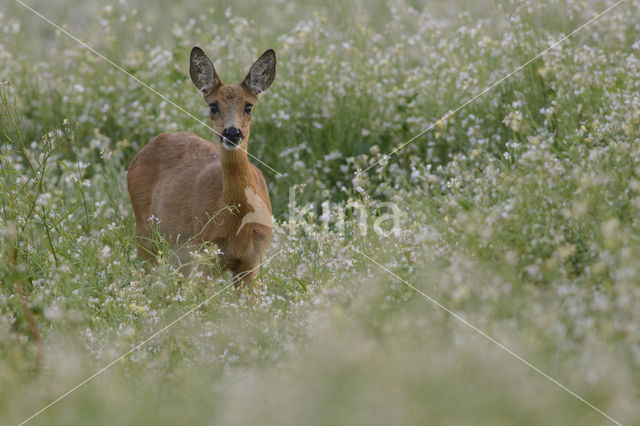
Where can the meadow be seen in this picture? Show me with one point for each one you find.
(519, 214)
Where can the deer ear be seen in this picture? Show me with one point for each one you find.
(262, 72)
(202, 72)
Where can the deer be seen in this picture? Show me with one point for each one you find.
(193, 191)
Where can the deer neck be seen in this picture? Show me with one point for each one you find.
(237, 175)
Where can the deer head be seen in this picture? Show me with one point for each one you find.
(230, 105)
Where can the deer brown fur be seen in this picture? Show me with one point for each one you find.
(183, 184)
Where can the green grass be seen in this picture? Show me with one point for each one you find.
(519, 213)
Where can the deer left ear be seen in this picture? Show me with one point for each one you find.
(262, 72)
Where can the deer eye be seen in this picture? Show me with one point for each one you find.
(215, 108)
(247, 108)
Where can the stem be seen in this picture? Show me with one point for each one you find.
(31, 321)
(46, 227)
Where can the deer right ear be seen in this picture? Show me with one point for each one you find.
(202, 72)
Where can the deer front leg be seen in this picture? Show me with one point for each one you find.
(245, 274)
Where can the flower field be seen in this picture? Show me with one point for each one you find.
(488, 272)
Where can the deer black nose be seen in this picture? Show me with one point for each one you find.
(233, 134)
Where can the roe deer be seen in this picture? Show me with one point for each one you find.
(180, 181)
